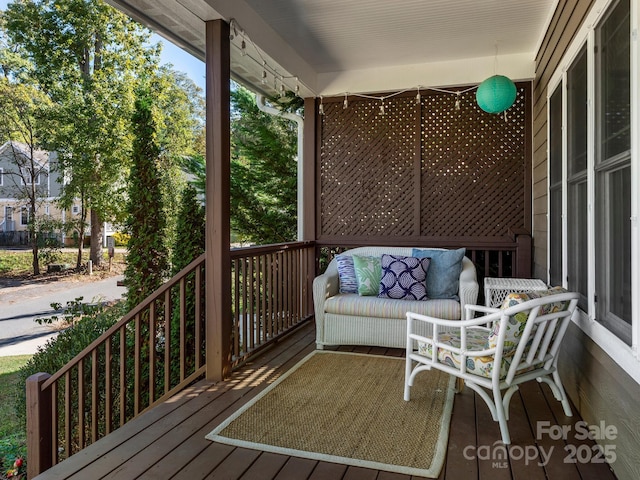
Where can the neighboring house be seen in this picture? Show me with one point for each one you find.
(16, 175)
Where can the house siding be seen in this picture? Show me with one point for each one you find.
(601, 390)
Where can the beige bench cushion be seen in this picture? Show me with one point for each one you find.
(355, 305)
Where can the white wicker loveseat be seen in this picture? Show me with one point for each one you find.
(351, 319)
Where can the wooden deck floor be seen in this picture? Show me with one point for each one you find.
(168, 442)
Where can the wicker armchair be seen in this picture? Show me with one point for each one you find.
(498, 351)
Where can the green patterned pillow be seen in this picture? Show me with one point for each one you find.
(368, 273)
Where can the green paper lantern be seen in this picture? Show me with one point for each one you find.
(496, 94)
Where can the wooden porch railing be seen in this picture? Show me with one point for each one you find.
(271, 290)
(158, 348)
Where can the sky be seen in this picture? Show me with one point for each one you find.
(181, 60)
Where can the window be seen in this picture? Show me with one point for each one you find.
(27, 178)
(555, 187)
(24, 216)
(75, 209)
(590, 175)
(577, 274)
(613, 170)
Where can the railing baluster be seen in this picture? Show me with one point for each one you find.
(67, 413)
(183, 338)
(94, 396)
(236, 298)
(197, 320)
(136, 366)
(152, 353)
(55, 441)
(123, 374)
(167, 341)
(251, 303)
(108, 398)
(81, 393)
(269, 294)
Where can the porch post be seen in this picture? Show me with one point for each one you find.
(39, 421)
(309, 191)
(218, 170)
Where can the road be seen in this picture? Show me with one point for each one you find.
(20, 305)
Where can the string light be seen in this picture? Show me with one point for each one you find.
(457, 104)
(382, 112)
(321, 107)
(345, 104)
(251, 51)
(418, 98)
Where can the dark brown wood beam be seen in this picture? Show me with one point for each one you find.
(218, 160)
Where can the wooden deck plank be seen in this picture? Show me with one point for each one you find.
(296, 469)
(462, 434)
(169, 441)
(359, 473)
(523, 440)
(265, 467)
(328, 471)
(538, 411)
(591, 469)
(234, 466)
(489, 439)
(204, 463)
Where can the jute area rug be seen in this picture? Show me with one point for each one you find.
(349, 408)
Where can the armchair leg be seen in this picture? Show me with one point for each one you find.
(558, 391)
(502, 418)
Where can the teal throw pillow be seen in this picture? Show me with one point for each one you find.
(443, 276)
(368, 274)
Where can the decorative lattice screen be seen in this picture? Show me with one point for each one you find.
(425, 170)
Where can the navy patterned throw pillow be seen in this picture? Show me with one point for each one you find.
(403, 278)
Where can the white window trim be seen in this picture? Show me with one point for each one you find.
(627, 357)
(1, 177)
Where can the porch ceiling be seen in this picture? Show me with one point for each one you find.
(336, 46)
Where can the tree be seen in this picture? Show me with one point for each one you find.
(189, 244)
(147, 259)
(22, 106)
(263, 172)
(87, 57)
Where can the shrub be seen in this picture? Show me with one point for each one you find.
(58, 351)
(121, 239)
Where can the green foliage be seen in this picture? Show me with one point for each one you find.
(190, 231)
(13, 441)
(189, 245)
(58, 351)
(87, 57)
(147, 261)
(263, 172)
(74, 311)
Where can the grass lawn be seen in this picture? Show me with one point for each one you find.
(13, 437)
(20, 262)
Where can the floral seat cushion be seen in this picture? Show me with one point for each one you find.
(516, 323)
(478, 339)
